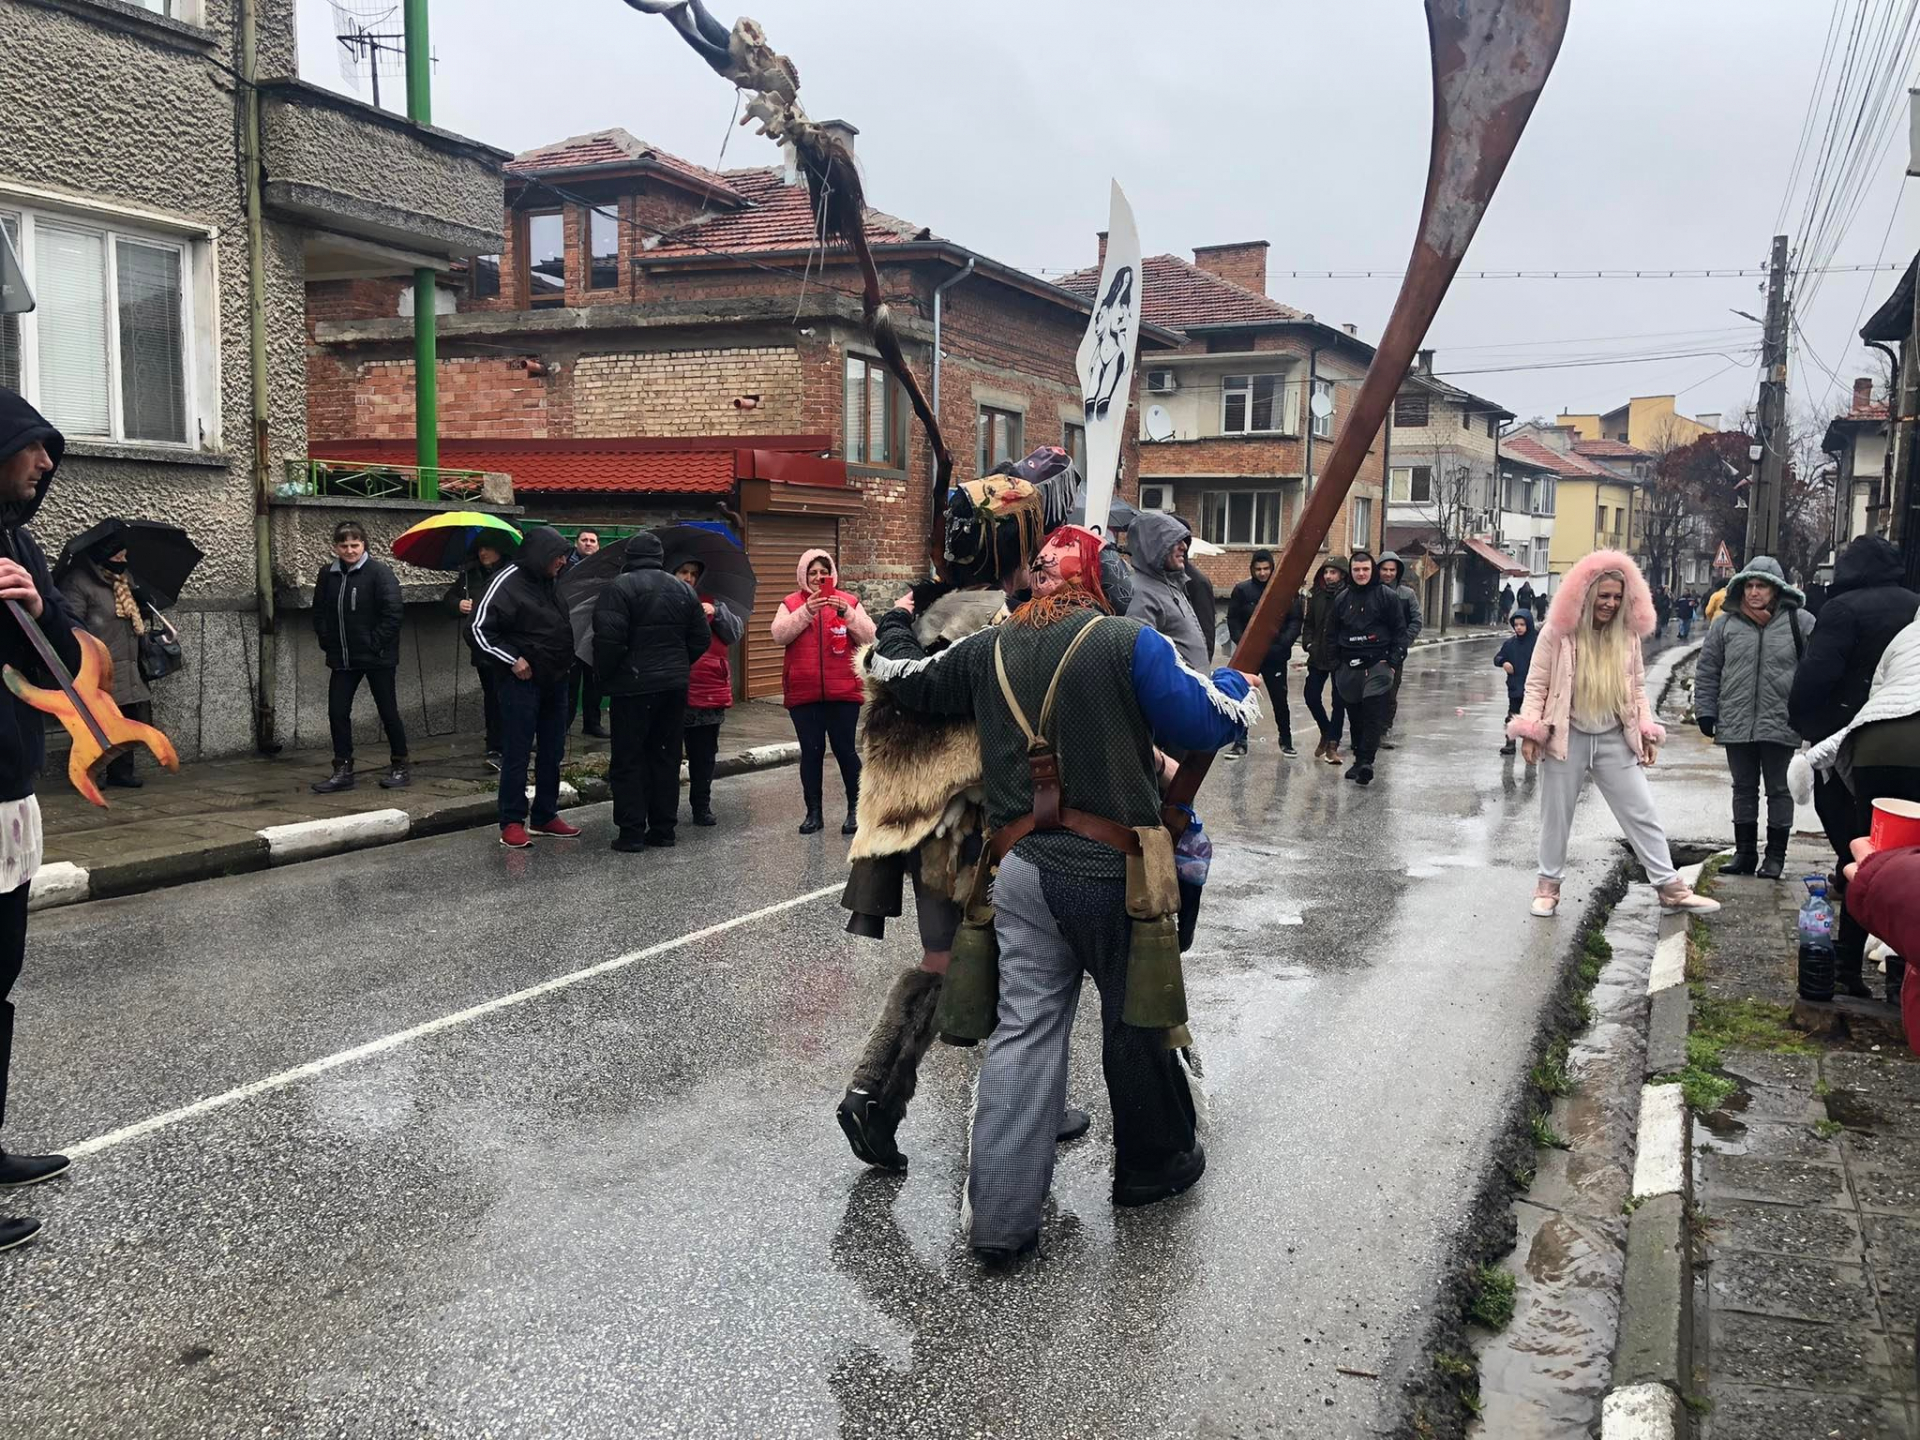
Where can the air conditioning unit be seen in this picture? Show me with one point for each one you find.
(1161, 382)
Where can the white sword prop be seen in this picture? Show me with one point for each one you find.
(1106, 358)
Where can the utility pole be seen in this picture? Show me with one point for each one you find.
(1769, 484)
(426, 388)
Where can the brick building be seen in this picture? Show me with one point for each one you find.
(637, 298)
(1229, 434)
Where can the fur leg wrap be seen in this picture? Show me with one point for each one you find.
(889, 1067)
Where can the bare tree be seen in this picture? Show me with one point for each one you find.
(1448, 513)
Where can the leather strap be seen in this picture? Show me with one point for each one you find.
(1090, 827)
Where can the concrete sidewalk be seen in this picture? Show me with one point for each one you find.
(226, 816)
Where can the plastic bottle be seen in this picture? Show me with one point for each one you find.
(1816, 925)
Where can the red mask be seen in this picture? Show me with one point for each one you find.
(1070, 557)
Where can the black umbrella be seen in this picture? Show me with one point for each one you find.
(727, 577)
(160, 557)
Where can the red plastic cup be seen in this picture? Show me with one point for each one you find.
(1896, 824)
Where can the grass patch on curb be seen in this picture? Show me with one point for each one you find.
(1742, 1025)
(1550, 1070)
(1703, 1090)
(1493, 1293)
(1545, 1137)
(1827, 1129)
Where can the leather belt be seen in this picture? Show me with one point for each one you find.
(1090, 827)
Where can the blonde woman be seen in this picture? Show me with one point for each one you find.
(1586, 714)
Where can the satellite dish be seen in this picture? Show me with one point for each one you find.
(1159, 423)
(1321, 405)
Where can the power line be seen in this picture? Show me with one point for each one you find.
(1713, 273)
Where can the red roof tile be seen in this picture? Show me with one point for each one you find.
(577, 466)
(1522, 447)
(608, 147)
(1609, 450)
(776, 216)
(1180, 294)
(1872, 410)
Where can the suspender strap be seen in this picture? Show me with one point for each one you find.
(1053, 686)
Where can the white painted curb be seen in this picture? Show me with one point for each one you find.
(1669, 955)
(59, 883)
(568, 795)
(772, 754)
(1660, 1158)
(1640, 1412)
(309, 839)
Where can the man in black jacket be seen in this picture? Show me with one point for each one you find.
(648, 629)
(523, 631)
(1370, 645)
(1272, 667)
(357, 613)
(30, 450)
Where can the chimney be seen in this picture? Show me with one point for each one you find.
(1102, 261)
(1244, 264)
(840, 130)
(1710, 420)
(1863, 392)
(1351, 328)
(1424, 363)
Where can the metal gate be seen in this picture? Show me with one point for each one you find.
(775, 544)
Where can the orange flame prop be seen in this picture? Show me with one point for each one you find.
(100, 732)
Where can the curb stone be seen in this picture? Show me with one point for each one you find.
(1653, 1355)
(63, 883)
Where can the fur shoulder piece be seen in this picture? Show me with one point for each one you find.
(1570, 600)
(956, 615)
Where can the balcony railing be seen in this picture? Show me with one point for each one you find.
(367, 480)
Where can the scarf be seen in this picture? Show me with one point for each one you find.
(124, 605)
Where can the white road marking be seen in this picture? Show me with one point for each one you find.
(446, 1022)
(1640, 1412)
(1660, 1158)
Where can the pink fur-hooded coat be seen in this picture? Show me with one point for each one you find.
(1546, 715)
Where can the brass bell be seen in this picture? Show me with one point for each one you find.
(873, 893)
(1156, 993)
(970, 998)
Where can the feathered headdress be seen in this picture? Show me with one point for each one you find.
(996, 524)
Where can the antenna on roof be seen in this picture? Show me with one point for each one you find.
(372, 41)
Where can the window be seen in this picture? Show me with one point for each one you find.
(1360, 535)
(1240, 517)
(1073, 439)
(1248, 404)
(1493, 427)
(546, 258)
(1466, 420)
(483, 277)
(1543, 496)
(603, 258)
(1412, 485)
(1412, 409)
(1156, 497)
(1539, 561)
(872, 434)
(1322, 424)
(999, 437)
(105, 353)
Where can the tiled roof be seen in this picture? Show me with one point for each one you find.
(574, 466)
(1179, 294)
(1872, 410)
(607, 147)
(1609, 450)
(1523, 447)
(775, 216)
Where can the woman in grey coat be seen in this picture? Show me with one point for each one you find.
(1740, 690)
(106, 601)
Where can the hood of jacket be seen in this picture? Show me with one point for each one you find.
(1570, 600)
(1399, 574)
(1532, 630)
(20, 426)
(1763, 567)
(1260, 557)
(807, 558)
(675, 562)
(1152, 536)
(644, 552)
(539, 548)
(1338, 562)
(1867, 562)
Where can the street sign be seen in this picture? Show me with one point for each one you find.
(1723, 560)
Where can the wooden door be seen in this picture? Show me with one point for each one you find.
(775, 544)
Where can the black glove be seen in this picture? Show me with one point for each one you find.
(1706, 723)
(926, 593)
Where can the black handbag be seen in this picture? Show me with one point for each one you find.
(159, 649)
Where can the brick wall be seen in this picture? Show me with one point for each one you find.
(689, 392)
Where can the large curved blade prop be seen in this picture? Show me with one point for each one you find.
(1491, 59)
(772, 84)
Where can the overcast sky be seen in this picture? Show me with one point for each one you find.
(1664, 140)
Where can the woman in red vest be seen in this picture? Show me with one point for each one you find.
(822, 625)
(709, 693)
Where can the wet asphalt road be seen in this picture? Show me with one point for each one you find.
(621, 1206)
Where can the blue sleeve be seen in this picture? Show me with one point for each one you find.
(1504, 654)
(1186, 709)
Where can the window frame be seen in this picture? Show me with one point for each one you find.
(595, 214)
(1076, 448)
(1359, 535)
(1263, 530)
(1394, 497)
(1418, 406)
(195, 390)
(1322, 426)
(895, 459)
(986, 417)
(1246, 390)
(542, 301)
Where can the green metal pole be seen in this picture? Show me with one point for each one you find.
(426, 396)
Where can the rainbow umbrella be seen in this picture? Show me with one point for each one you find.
(445, 542)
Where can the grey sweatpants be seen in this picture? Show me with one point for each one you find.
(1051, 929)
(1622, 782)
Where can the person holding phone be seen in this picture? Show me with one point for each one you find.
(821, 627)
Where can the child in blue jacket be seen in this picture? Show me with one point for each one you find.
(1515, 656)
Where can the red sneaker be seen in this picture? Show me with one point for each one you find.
(557, 827)
(514, 836)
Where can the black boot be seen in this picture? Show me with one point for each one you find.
(813, 824)
(870, 1127)
(1775, 863)
(341, 779)
(1746, 849)
(852, 823)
